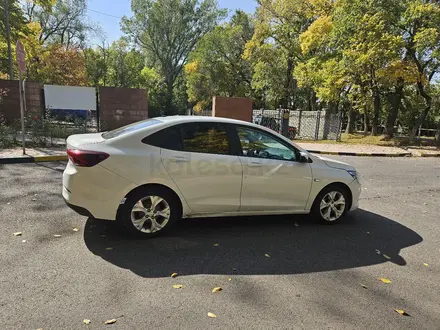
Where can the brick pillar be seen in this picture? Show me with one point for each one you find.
(232, 107)
(122, 106)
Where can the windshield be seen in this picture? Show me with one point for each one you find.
(130, 128)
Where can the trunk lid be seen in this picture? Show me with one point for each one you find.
(79, 141)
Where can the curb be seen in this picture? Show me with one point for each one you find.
(425, 155)
(361, 154)
(31, 159)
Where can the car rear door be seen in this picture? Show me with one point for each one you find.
(273, 179)
(204, 167)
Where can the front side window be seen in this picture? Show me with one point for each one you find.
(258, 144)
(207, 138)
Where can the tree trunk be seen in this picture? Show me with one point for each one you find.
(169, 99)
(309, 100)
(437, 135)
(366, 121)
(313, 101)
(395, 101)
(376, 112)
(288, 85)
(351, 120)
(422, 118)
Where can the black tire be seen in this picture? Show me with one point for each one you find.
(125, 211)
(316, 208)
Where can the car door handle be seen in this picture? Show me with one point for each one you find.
(179, 159)
(254, 164)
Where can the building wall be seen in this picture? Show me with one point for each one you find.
(10, 108)
(122, 106)
(232, 107)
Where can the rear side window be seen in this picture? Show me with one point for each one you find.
(168, 138)
(207, 138)
(130, 128)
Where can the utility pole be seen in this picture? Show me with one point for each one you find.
(8, 37)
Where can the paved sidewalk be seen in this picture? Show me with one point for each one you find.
(321, 148)
(17, 152)
(356, 149)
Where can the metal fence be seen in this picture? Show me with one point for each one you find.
(306, 125)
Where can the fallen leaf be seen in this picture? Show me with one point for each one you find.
(75, 229)
(23, 241)
(178, 286)
(173, 275)
(296, 224)
(267, 255)
(378, 251)
(216, 244)
(364, 286)
(57, 235)
(18, 233)
(212, 315)
(386, 257)
(426, 265)
(368, 232)
(110, 321)
(109, 248)
(401, 312)
(217, 289)
(385, 280)
(85, 321)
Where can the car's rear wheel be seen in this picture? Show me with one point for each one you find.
(331, 204)
(149, 212)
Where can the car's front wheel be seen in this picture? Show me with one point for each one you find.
(149, 212)
(331, 204)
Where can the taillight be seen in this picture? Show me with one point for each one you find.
(85, 158)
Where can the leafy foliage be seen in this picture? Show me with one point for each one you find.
(216, 66)
(168, 30)
(375, 60)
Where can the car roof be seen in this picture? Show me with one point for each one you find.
(189, 119)
(174, 120)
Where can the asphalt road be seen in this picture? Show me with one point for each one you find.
(312, 279)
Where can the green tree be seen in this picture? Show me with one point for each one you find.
(17, 24)
(420, 27)
(97, 65)
(275, 48)
(125, 65)
(62, 21)
(216, 67)
(168, 30)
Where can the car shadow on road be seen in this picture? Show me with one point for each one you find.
(254, 245)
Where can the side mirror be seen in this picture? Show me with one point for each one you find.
(304, 158)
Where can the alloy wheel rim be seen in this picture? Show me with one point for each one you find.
(150, 214)
(332, 206)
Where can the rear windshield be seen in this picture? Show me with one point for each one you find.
(130, 128)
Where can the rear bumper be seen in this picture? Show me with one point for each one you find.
(78, 209)
(94, 191)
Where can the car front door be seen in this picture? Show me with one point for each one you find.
(205, 170)
(273, 178)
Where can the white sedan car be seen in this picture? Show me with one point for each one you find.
(150, 174)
